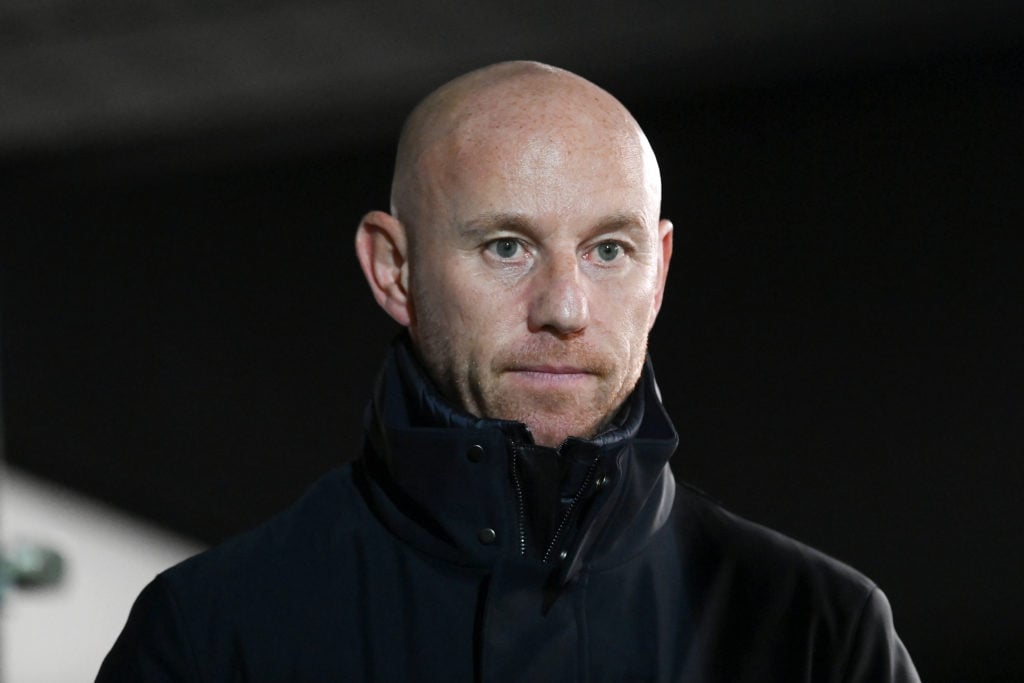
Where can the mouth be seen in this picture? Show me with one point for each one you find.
(550, 376)
(551, 370)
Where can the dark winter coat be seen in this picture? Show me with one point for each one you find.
(456, 550)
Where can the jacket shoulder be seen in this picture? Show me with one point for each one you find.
(328, 509)
(761, 588)
(257, 597)
(718, 538)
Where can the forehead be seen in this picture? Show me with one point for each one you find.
(541, 157)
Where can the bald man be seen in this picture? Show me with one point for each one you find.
(512, 516)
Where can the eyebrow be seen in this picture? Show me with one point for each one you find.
(628, 222)
(490, 222)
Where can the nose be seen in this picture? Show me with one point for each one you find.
(559, 300)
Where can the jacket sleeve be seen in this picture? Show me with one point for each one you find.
(153, 646)
(876, 654)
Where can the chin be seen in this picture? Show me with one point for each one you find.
(554, 435)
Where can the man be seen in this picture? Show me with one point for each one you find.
(512, 516)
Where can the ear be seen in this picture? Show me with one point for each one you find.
(383, 254)
(665, 230)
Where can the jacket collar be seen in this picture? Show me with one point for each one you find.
(470, 490)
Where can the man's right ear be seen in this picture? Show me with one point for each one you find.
(382, 250)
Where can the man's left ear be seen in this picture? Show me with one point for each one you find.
(665, 238)
(382, 250)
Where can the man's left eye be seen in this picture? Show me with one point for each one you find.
(608, 251)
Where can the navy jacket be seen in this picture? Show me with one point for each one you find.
(455, 549)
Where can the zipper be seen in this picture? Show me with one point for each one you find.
(569, 510)
(517, 484)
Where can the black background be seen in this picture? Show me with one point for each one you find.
(186, 333)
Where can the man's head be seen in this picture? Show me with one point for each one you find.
(524, 249)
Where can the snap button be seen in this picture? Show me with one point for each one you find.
(564, 554)
(475, 453)
(602, 482)
(487, 536)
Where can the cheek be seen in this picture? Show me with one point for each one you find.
(632, 327)
(633, 315)
(473, 318)
(472, 311)
(486, 303)
(436, 292)
(646, 307)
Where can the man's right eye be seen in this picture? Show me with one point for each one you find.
(505, 248)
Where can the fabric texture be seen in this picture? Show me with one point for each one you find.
(455, 549)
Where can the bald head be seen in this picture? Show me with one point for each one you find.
(510, 103)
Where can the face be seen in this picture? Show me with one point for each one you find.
(536, 268)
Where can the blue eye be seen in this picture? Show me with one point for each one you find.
(505, 248)
(608, 251)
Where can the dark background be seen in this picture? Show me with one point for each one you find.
(185, 332)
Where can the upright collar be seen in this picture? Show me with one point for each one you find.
(471, 490)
